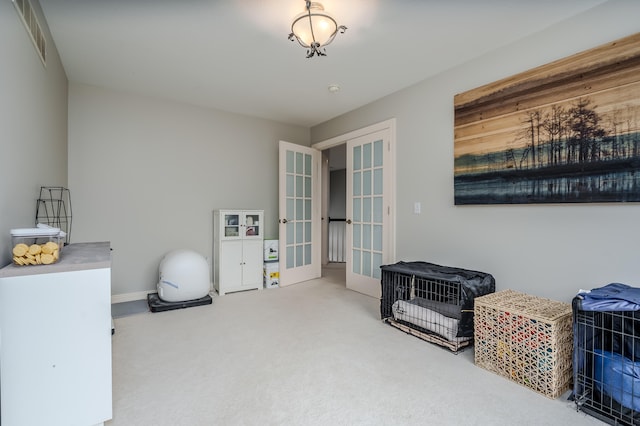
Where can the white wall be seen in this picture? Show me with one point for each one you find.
(547, 250)
(33, 124)
(146, 175)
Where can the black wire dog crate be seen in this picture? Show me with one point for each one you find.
(606, 364)
(433, 302)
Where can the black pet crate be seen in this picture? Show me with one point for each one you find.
(606, 364)
(433, 302)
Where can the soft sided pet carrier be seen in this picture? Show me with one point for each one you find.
(433, 302)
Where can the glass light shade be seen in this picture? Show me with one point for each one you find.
(314, 26)
(314, 29)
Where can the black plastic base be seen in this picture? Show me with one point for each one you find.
(158, 305)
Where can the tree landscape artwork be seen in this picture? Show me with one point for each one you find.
(565, 132)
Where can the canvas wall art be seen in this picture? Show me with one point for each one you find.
(565, 132)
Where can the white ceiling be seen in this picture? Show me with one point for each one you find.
(234, 54)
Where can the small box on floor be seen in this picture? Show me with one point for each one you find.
(271, 274)
(270, 250)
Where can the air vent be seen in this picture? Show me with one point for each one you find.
(32, 25)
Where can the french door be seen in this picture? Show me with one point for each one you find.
(370, 239)
(299, 213)
(370, 203)
(369, 211)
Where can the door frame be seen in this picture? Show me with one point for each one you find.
(390, 177)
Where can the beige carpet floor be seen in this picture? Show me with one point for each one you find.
(310, 354)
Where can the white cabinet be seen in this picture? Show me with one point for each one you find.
(55, 340)
(237, 250)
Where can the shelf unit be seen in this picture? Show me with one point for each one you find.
(237, 250)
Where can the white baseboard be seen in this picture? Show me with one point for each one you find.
(138, 295)
(129, 297)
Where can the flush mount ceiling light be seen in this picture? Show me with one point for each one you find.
(314, 29)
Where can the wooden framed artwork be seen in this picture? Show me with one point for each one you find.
(565, 132)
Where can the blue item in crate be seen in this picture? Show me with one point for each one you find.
(611, 297)
(617, 377)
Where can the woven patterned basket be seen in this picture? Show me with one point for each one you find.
(526, 339)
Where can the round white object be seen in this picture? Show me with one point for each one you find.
(184, 275)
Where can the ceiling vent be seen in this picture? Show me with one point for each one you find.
(32, 25)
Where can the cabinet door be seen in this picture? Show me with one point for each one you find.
(252, 272)
(230, 258)
(232, 224)
(253, 226)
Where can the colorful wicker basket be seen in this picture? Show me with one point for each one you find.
(526, 339)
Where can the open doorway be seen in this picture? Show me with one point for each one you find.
(337, 204)
(369, 201)
(334, 249)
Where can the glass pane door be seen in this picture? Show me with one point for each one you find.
(367, 212)
(300, 220)
(253, 227)
(369, 216)
(232, 225)
(299, 236)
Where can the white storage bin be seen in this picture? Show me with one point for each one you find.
(271, 274)
(270, 250)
